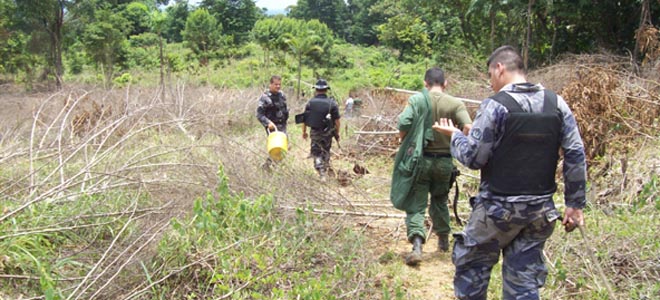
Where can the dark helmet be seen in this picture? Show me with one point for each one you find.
(321, 84)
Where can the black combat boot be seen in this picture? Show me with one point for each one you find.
(416, 255)
(443, 242)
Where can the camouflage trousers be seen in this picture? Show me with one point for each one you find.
(519, 231)
(320, 149)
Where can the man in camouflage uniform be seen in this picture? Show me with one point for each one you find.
(436, 165)
(322, 116)
(514, 212)
(272, 111)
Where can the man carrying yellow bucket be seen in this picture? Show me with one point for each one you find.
(322, 115)
(273, 114)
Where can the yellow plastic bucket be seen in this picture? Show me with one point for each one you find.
(277, 145)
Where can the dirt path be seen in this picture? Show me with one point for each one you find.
(384, 227)
(432, 278)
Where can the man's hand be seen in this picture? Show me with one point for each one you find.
(304, 135)
(271, 126)
(445, 126)
(573, 217)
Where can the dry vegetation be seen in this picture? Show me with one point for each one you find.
(94, 179)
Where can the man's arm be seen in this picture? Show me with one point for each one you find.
(286, 107)
(466, 129)
(264, 101)
(304, 126)
(405, 120)
(402, 135)
(463, 119)
(474, 149)
(574, 167)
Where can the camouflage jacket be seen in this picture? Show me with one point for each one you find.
(272, 107)
(487, 130)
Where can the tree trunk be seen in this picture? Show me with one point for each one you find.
(555, 24)
(299, 75)
(162, 67)
(528, 37)
(56, 43)
(492, 25)
(644, 19)
(465, 31)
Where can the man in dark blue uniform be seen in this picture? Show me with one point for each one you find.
(272, 111)
(514, 141)
(322, 116)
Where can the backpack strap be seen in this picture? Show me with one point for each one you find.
(549, 102)
(507, 100)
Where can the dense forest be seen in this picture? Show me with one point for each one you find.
(53, 39)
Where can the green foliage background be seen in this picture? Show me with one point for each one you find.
(115, 37)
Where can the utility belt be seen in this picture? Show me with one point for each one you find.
(436, 155)
(324, 129)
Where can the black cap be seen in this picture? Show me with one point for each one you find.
(321, 84)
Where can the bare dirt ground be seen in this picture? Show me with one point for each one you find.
(432, 278)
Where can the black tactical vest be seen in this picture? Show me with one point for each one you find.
(525, 161)
(318, 116)
(278, 112)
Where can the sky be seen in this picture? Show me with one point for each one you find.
(273, 6)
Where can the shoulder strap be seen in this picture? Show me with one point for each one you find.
(507, 100)
(549, 102)
(428, 120)
(427, 98)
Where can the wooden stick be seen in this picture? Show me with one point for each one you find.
(376, 132)
(343, 212)
(604, 279)
(414, 92)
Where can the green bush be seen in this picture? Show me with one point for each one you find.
(123, 79)
(247, 241)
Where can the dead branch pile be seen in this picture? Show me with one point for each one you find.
(612, 106)
(377, 135)
(376, 132)
(649, 42)
(99, 155)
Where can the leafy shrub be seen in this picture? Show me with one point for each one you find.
(123, 79)
(255, 253)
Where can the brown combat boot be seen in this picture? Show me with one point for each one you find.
(415, 257)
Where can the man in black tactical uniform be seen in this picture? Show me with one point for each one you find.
(272, 111)
(322, 116)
